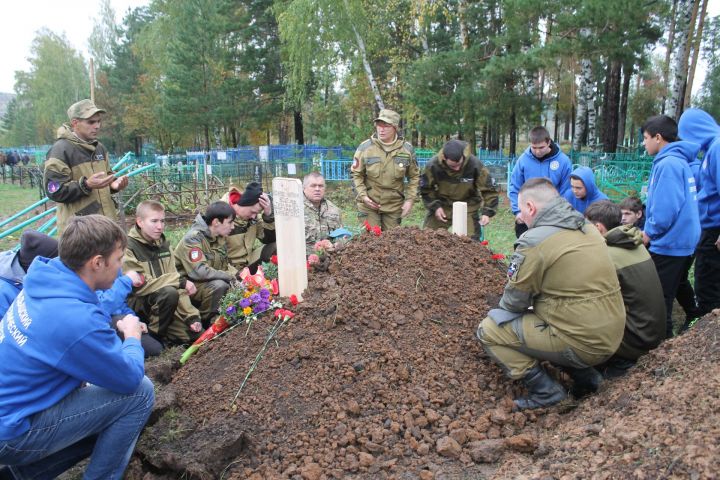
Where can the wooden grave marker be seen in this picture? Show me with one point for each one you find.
(289, 212)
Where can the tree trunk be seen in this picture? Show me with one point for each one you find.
(695, 53)
(585, 106)
(299, 132)
(366, 63)
(679, 71)
(611, 107)
(627, 72)
(668, 51)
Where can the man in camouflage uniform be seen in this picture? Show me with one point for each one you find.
(201, 256)
(380, 166)
(163, 300)
(321, 215)
(562, 270)
(254, 220)
(77, 174)
(455, 175)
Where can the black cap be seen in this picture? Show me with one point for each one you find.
(453, 150)
(251, 195)
(33, 244)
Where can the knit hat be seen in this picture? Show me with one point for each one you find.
(251, 195)
(33, 244)
(453, 150)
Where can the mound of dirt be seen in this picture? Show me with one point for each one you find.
(378, 375)
(662, 420)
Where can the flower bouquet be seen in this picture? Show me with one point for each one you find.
(255, 295)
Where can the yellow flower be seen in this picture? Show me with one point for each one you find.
(246, 294)
(247, 311)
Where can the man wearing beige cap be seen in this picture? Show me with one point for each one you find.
(77, 174)
(380, 166)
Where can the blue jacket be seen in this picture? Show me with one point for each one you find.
(112, 300)
(672, 222)
(55, 337)
(11, 279)
(556, 167)
(593, 193)
(699, 127)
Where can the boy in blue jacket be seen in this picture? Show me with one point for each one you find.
(672, 226)
(543, 158)
(699, 127)
(70, 387)
(583, 190)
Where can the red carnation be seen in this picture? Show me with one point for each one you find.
(377, 230)
(273, 260)
(293, 300)
(498, 256)
(367, 226)
(484, 242)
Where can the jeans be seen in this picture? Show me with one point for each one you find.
(89, 421)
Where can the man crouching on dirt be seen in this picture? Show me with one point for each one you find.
(560, 269)
(70, 387)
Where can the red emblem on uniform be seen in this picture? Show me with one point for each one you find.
(355, 164)
(195, 254)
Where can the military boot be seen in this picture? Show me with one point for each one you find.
(585, 381)
(543, 391)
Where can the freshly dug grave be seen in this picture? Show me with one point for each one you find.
(378, 376)
(660, 421)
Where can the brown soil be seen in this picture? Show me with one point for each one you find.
(380, 376)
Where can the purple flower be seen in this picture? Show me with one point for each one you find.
(258, 308)
(231, 310)
(254, 298)
(245, 302)
(265, 293)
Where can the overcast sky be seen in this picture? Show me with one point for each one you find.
(21, 19)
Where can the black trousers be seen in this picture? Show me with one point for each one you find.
(158, 308)
(671, 271)
(707, 271)
(686, 294)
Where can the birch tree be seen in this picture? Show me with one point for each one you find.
(679, 66)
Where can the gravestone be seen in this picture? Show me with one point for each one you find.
(289, 211)
(459, 218)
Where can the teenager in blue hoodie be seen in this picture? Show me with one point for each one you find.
(699, 127)
(70, 387)
(583, 190)
(672, 227)
(543, 158)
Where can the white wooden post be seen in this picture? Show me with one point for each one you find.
(290, 235)
(459, 220)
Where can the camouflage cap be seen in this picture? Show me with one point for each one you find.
(388, 116)
(83, 109)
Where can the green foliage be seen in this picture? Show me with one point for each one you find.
(57, 78)
(709, 98)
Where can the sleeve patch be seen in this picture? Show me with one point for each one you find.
(355, 164)
(53, 187)
(195, 254)
(515, 262)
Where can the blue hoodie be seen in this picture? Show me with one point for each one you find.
(593, 194)
(699, 127)
(55, 337)
(11, 279)
(112, 300)
(672, 220)
(556, 167)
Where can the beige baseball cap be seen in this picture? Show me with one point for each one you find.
(388, 116)
(83, 109)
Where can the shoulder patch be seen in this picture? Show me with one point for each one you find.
(53, 187)
(355, 164)
(364, 145)
(195, 254)
(515, 262)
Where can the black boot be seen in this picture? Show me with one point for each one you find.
(585, 381)
(543, 391)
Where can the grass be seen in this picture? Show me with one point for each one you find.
(14, 199)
